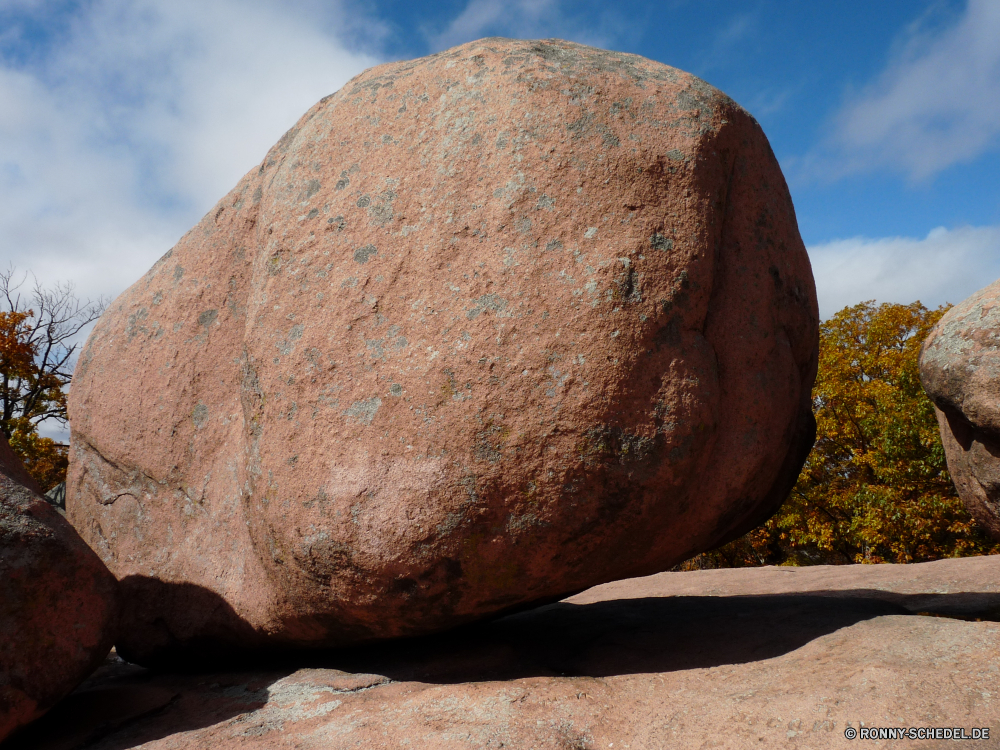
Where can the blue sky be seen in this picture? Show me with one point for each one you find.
(123, 121)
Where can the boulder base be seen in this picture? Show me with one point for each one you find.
(57, 601)
(772, 657)
(483, 329)
(960, 370)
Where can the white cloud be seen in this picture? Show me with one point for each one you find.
(116, 138)
(523, 19)
(726, 42)
(120, 136)
(482, 17)
(937, 103)
(945, 266)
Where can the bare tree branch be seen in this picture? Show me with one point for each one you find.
(55, 316)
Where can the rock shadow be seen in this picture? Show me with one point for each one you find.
(626, 636)
(634, 636)
(125, 705)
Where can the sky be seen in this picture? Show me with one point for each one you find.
(123, 121)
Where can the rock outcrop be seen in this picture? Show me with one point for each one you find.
(483, 329)
(57, 601)
(960, 370)
(12, 468)
(772, 657)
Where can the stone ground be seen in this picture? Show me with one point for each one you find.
(765, 657)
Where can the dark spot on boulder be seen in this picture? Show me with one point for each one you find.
(312, 187)
(200, 415)
(488, 302)
(362, 254)
(659, 242)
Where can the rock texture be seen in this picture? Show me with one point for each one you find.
(773, 657)
(57, 601)
(483, 329)
(960, 370)
(12, 468)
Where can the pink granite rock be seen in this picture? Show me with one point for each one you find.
(483, 329)
(752, 657)
(960, 370)
(12, 468)
(57, 601)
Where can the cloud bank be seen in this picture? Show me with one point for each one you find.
(937, 103)
(945, 266)
(119, 135)
(527, 19)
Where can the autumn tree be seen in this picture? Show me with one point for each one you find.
(38, 332)
(875, 487)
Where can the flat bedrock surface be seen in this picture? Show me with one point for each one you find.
(762, 657)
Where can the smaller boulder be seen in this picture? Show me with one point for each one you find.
(960, 370)
(58, 605)
(12, 468)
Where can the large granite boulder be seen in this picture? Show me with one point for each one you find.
(482, 329)
(57, 601)
(960, 370)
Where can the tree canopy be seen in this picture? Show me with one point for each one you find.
(875, 487)
(38, 332)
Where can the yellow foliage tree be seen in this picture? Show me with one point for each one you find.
(36, 358)
(875, 487)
